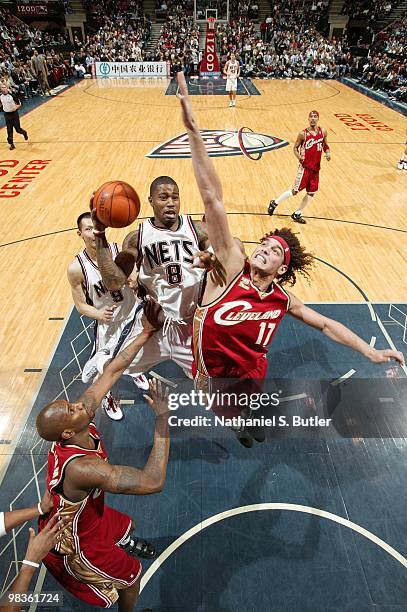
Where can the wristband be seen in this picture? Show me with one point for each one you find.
(31, 563)
(326, 148)
(40, 509)
(99, 232)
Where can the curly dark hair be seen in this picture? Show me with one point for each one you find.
(300, 262)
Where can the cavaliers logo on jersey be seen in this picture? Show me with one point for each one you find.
(238, 311)
(219, 143)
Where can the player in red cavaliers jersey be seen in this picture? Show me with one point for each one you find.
(308, 150)
(234, 324)
(93, 561)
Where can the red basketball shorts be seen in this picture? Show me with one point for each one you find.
(306, 179)
(101, 568)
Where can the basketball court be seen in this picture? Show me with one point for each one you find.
(307, 521)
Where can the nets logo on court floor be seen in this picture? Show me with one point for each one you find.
(221, 143)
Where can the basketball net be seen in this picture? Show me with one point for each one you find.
(211, 23)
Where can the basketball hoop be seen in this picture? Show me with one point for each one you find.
(211, 22)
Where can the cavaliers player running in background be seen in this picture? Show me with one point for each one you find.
(93, 561)
(308, 150)
(233, 326)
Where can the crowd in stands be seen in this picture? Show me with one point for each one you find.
(174, 8)
(385, 68)
(289, 45)
(20, 48)
(179, 44)
(373, 10)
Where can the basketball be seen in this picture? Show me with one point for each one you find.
(117, 204)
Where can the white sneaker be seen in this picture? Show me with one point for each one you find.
(112, 407)
(400, 165)
(234, 102)
(141, 382)
(95, 365)
(231, 103)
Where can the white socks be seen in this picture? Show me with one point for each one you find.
(305, 200)
(284, 196)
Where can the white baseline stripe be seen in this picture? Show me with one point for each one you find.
(341, 379)
(291, 398)
(167, 382)
(267, 506)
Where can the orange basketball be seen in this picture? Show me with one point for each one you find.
(117, 204)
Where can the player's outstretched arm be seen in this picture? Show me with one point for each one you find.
(38, 547)
(341, 334)
(152, 320)
(90, 472)
(209, 186)
(114, 273)
(15, 518)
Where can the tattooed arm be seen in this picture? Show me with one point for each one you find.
(87, 473)
(114, 273)
(152, 319)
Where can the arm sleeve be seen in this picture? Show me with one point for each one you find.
(2, 525)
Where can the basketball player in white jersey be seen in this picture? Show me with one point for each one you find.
(232, 71)
(112, 310)
(163, 248)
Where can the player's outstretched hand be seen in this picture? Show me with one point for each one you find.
(153, 316)
(40, 545)
(386, 355)
(158, 398)
(187, 114)
(208, 261)
(97, 224)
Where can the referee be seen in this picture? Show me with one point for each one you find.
(10, 105)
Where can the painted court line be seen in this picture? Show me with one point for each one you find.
(292, 398)
(267, 506)
(163, 380)
(341, 379)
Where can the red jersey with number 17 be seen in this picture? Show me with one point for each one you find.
(312, 147)
(232, 333)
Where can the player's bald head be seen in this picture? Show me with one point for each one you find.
(53, 420)
(161, 180)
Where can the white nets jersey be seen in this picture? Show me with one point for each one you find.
(165, 270)
(232, 69)
(98, 296)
